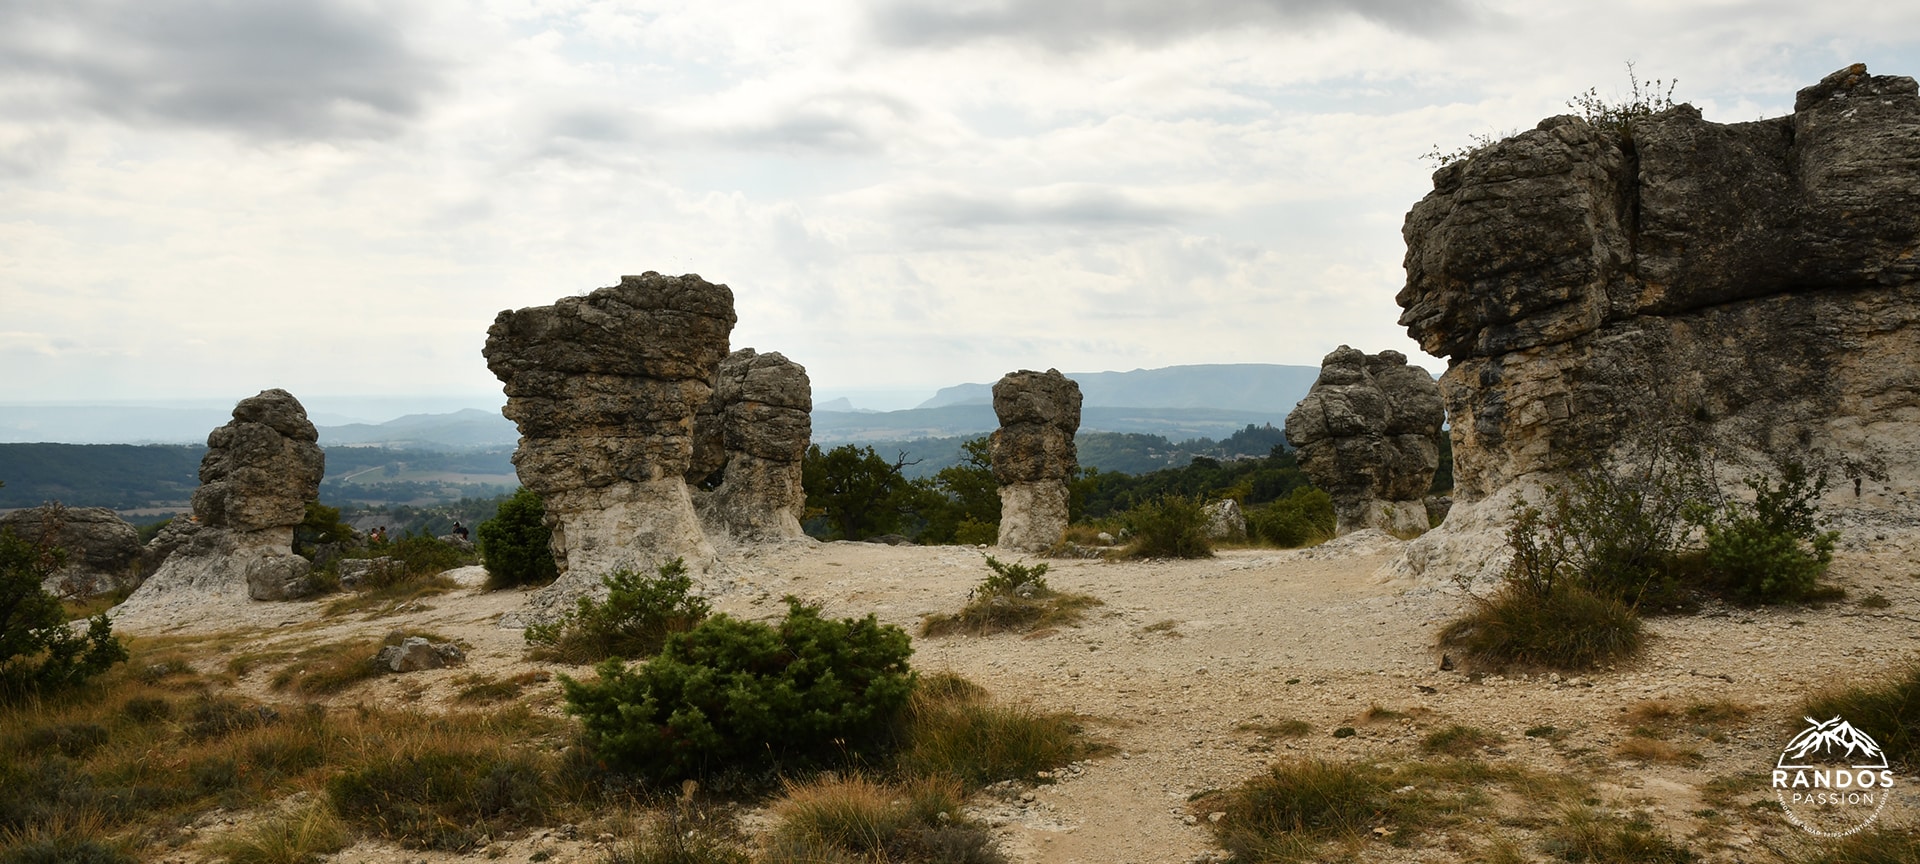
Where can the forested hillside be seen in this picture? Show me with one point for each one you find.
(129, 476)
(122, 476)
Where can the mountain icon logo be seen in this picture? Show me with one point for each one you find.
(1832, 779)
(1832, 741)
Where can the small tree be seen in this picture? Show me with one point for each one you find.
(516, 543)
(740, 693)
(321, 525)
(1175, 526)
(859, 492)
(961, 503)
(1772, 550)
(39, 652)
(640, 612)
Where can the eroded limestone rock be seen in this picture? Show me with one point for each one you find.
(103, 551)
(604, 389)
(752, 435)
(260, 471)
(1033, 455)
(1753, 286)
(1368, 433)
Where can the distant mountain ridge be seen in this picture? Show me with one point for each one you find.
(1259, 388)
(464, 429)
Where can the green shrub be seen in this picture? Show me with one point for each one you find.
(640, 612)
(739, 693)
(1012, 597)
(516, 543)
(320, 525)
(1566, 628)
(1614, 533)
(422, 554)
(1772, 550)
(1174, 526)
(1303, 518)
(39, 653)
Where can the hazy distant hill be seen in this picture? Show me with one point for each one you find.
(1259, 388)
(465, 429)
(110, 424)
(1179, 424)
(1177, 402)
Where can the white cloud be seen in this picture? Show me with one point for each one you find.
(217, 197)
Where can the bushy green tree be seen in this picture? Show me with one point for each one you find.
(1304, 516)
(320, 525)
(39, 652)
(516, 545)
(422, 554)
(961, 503)
(859, 493)
(741, 693)
(640, 612)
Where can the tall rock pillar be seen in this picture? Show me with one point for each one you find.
(1033, 455)
(604, 389)
(753, 436)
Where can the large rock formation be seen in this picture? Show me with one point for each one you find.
(1033, 455)
(749, 442)
(604, 389)
(1755, 286)
(260, 471)
(1368, 433)
(102, 550)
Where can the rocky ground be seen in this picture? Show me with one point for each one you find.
(1183, 654)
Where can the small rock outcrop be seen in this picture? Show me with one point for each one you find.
(1033, 455)
(260, 471)
(1369, 434)
(1225, 520)
(415, 653)
(103, 551)
(604, 389)
(749, 442)
(1753, 286)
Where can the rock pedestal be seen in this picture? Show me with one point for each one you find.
(749, 443)
(260, 471)
(1033, 456)
(1368, 433)
(1749, 286)
(604, 389)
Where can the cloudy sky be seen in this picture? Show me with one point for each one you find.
(203, 198)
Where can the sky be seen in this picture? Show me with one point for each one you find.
(200, 199)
